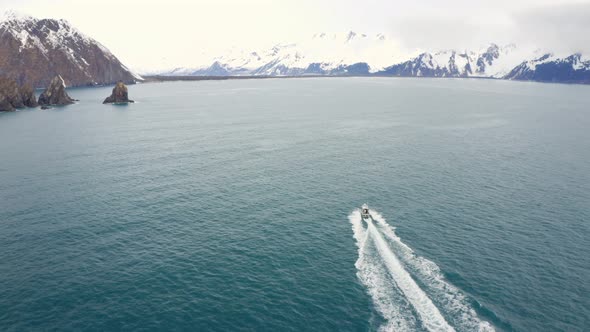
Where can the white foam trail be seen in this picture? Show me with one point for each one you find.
(388, 300)
(431, 318)
(448, 297)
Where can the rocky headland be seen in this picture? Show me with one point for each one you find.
(36, 50)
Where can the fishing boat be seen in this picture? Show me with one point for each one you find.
(365, 214)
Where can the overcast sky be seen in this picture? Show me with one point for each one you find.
(145, 33)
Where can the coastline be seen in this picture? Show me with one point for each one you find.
(163, 78)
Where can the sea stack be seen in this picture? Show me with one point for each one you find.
(55, 94)
(119, 95)
(13, 97)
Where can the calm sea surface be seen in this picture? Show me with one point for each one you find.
(230, 205)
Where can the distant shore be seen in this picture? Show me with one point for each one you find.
(163, 78)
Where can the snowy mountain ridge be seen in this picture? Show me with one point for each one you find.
(362, 55)
(34, 50)
(550, 67)
(491, 62)
(333, 54)
(323, 53)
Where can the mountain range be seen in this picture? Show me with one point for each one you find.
(357, 54)
(33, 51)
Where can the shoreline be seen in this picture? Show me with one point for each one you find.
(163, 78)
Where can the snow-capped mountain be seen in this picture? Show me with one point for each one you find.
(35, 50)
(551, 68)
(358, 54)
(323, 54)
(493, 61)
(362, 55)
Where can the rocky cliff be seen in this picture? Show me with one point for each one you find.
(36, 50)
(12, 96)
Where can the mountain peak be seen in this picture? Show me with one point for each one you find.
(351, 35)
(13, 15)
(493, 47)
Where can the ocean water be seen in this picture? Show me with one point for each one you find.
(232, 205)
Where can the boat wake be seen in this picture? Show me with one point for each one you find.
(407, 290)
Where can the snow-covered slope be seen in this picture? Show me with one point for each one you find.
(493, 61)
(35, 50)
(323, 54)
(553, 68)
(361, 54)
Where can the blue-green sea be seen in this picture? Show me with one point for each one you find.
(232, 206)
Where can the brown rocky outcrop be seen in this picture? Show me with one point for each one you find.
(12, 96)
(55, 94)
(119, 95)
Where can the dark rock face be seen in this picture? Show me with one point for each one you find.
(422, 65)
(10, 97)
(13, 97)
(315, 69)
(119, 95)
(36, 50)
(55, 94)
(357, 69)
(5, 106)
(28, 95)
(488, 58)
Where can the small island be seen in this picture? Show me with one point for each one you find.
(119, 95)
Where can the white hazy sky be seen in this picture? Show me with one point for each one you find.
(159, 33)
